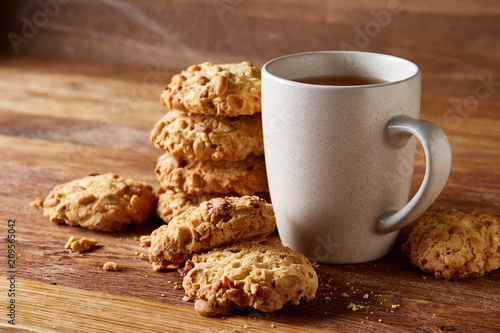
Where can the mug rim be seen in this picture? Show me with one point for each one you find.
(266, 71)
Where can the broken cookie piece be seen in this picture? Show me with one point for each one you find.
(111, 266)
(145, 240)
(82, 245)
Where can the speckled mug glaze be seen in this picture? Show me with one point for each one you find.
(340, 158)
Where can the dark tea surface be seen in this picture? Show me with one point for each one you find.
(341, 80)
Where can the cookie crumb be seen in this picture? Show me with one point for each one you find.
(146, 240)
(178, 286)
(273, 326)
(365, 296)
(395, 306)
(344, 295)
(380, 320)
(111, 266)
(203, 308)
(82, 245)
(37, 203)
(68, 243)
(356, 307)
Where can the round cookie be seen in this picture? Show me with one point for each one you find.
(222, 90)
(171, 203)
(454, 245)
(213, 223)
(99, 202)
(205, 138)
(197, 177)
(249, 276)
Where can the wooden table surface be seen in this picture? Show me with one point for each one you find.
(65, 118)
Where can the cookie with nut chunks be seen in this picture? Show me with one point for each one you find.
(193, 177)
(99, 202)
(455, 245)
(206, 138)
(248, 276)
(228, 90)
(171, 203)
(213, 223)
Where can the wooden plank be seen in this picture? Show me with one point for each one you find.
(187, 32)
(389, 281)
(43, 307)
(102, 94)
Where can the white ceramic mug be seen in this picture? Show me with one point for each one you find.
(340, 158)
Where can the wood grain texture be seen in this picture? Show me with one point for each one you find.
(440, 37)
(65, 118)
(44, 144)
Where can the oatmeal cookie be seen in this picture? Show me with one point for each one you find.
(171, 203)
(454, 245)
(197, 177)
(213, 223)
(205, 138)
(99, 202)
(249, 275)
(221, 90)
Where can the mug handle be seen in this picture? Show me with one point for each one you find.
(438, 165)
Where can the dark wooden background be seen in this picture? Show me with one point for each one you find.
(456, 37)
(79, 87)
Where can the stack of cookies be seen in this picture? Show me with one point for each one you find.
(211, 137)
